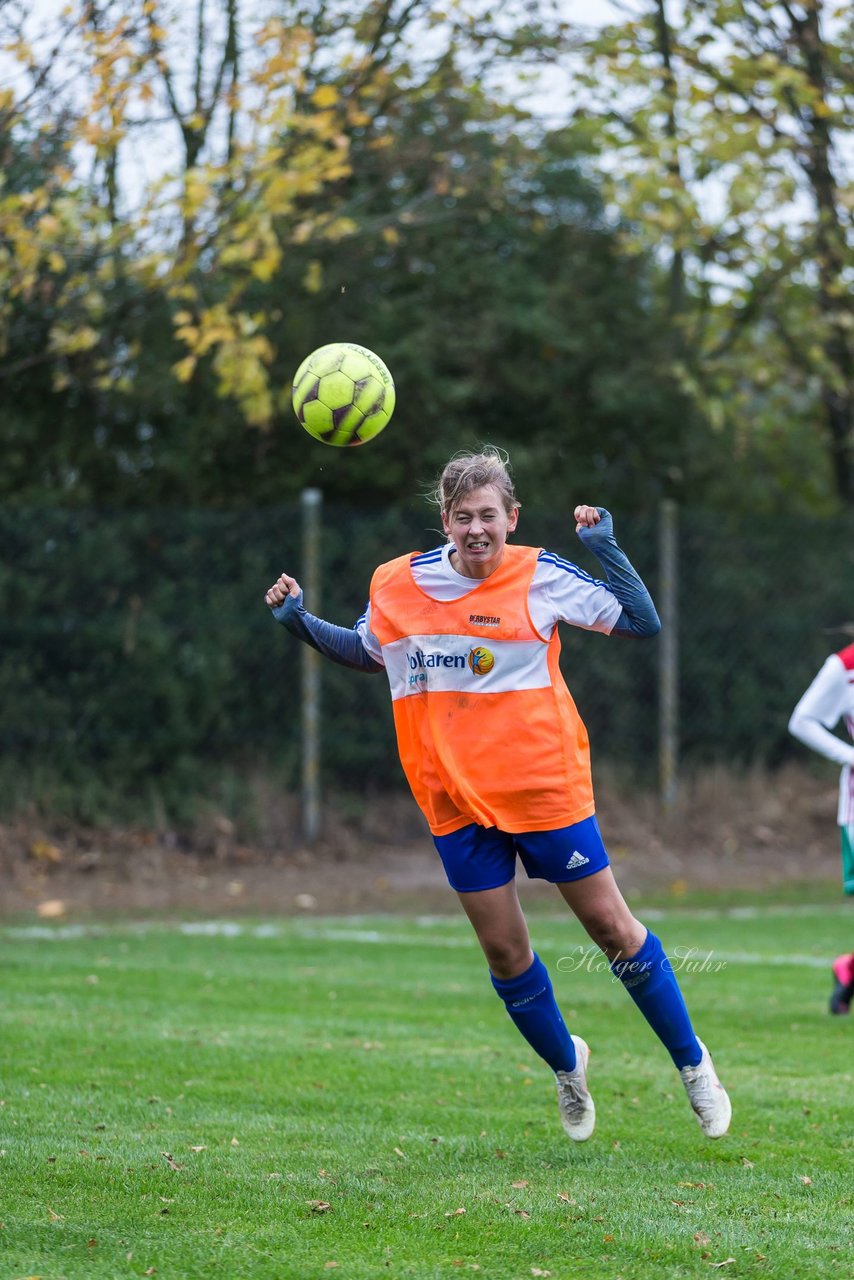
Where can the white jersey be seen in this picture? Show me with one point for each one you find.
(559, 592)
(829, 699)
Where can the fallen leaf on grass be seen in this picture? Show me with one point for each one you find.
(748, 1164)
(455, 1213)
(522, 1213)
(806, 1181)
(43, 851)
(172, 1163)
(55, 1217)
(700, 1237)
(198, 1148)
(566, 1198)
(319, 1206)
(725, 1263)
(234, 1142)
(398, 1152)
(329, 1266)
(520, 1183)
(51, 909)
(538, 1271)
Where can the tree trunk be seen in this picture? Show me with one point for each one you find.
(837, 391)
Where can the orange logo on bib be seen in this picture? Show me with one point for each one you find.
(481, 660)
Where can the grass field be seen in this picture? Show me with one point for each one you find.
(303, 1098)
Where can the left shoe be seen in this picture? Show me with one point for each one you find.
(840, 998)
(709, 1099)
(843, 985)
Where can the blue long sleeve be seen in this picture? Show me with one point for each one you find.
(639, 617)
(341, 644)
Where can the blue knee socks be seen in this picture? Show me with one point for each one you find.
(531, 1003)
(650, 981)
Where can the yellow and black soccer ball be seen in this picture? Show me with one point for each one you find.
(343, 394)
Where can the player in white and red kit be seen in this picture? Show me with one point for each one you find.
(829, 699)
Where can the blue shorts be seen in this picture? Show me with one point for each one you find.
(478, 857)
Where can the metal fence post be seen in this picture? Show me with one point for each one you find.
(668, 653)
(310, 577)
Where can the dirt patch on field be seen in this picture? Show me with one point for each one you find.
(756, 830)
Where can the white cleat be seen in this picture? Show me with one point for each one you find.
(577, 1112)
(707, 1096)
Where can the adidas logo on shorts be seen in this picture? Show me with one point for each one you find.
(577, 860)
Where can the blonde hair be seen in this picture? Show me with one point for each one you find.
(468, 471)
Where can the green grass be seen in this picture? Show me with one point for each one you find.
(367, 1065)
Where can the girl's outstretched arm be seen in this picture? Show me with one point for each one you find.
(639, 618)
(342, 644)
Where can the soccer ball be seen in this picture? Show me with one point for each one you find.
(343, 394)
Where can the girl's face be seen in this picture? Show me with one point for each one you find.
(478, 527)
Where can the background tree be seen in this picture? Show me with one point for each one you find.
(146, 282)
(724, 128)
(332, 173)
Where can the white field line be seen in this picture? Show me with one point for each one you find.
(357, 927)
(578, 955)
(698, 958)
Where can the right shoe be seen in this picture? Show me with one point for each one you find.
(577, 1112)
(843, 984)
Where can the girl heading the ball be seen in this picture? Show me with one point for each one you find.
(497, 756)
